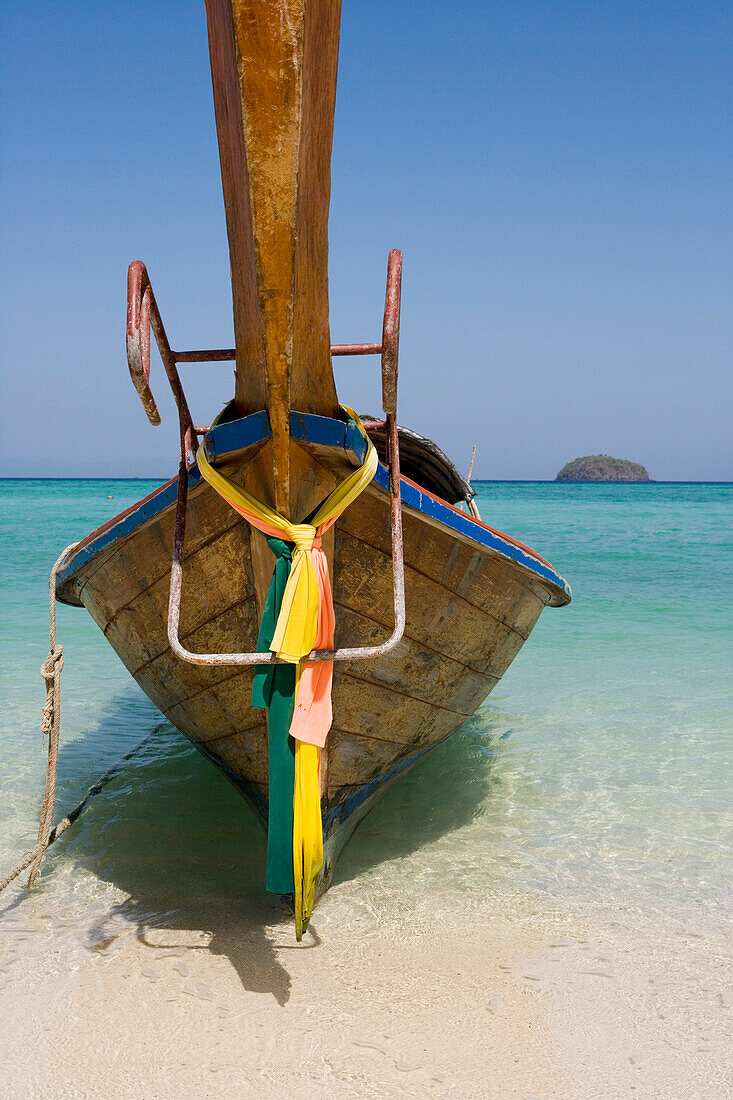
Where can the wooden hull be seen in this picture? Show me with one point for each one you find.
(469, 610)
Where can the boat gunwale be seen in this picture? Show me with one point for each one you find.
(308, 428)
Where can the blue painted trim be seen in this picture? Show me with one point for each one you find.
(413, 497)
(326, 432)
(235, 434)
(341, 813)
(221, 440)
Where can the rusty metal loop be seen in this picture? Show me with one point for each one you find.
(138, 336)
(142, 316)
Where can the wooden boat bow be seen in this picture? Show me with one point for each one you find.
(462, 597)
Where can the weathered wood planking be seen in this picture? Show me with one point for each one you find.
(468, 613)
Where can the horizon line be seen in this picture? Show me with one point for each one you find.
(474, 481)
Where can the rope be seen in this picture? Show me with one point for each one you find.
(51, 729)
(50, 718)
(76, 813)
(50, 725)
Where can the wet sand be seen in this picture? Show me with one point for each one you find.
(215, 999)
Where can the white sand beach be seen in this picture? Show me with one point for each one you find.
(497, 1000)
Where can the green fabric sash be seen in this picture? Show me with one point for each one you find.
(273, 690)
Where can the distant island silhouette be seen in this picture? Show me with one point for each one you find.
(602, 468)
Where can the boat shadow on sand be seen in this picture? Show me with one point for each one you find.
(174, 835)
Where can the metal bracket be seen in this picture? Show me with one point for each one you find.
(142, 315)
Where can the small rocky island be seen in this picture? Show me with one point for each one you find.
(602, 468)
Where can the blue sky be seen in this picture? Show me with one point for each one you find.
(557, 174)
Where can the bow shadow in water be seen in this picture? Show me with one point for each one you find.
(174, 835)
(445, 791)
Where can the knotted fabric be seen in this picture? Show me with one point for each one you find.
(303, 620)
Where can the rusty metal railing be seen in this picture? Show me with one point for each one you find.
(142, 315)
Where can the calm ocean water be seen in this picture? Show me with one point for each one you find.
(598, 772)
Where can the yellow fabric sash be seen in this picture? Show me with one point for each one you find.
(306, 615)
(297, 624)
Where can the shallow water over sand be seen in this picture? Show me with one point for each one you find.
(593, 786)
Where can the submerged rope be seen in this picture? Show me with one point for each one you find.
(51, 729)
(50, 718)
(76, 813)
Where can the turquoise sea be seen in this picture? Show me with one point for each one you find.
(598, 773)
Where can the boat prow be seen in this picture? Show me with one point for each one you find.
(473, 595)
(430, 604)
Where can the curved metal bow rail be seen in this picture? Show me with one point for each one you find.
(142, 315)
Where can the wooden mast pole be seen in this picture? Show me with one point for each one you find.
(273, 66)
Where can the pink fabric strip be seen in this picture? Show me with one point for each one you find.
(261, 525)
(313, 713)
